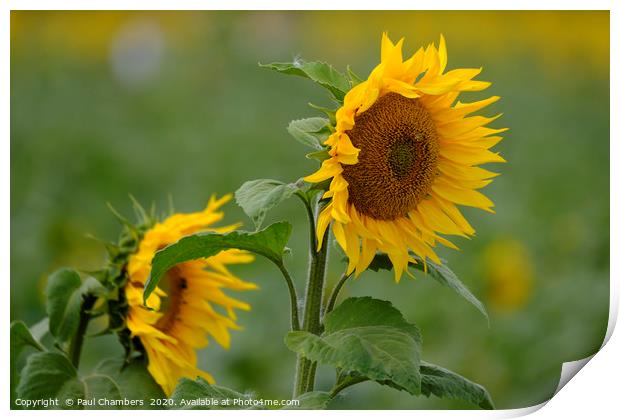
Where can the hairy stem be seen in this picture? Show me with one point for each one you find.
(293, 295)
(334, 295)
(347, 382)
(314, 289)
(304, 378)
(75, 346)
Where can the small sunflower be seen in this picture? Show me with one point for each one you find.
(403, 156)
(183, 316)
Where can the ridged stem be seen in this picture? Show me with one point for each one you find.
(304, 378)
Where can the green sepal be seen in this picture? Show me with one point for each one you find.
(319, 155)
(329, 113)
(353, 78)
(311, 132)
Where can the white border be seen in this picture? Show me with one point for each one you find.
(592, 393)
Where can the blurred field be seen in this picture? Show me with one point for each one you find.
(104, 104)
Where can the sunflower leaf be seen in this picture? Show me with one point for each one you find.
(441, 382)
(440, 272)
(50, 375)
(315, 400)
(21, 338)
(311, 132)
(368, 337)
(40, 329)
(269, 242)
(259, 196)
(65, 293)
(98, 387)
(133, 380)
(317, 71)
(199, 394)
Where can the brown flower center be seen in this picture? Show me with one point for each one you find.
(175, 286)
(397, 160)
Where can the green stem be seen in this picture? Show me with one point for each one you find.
(301, 376)
(309, 386)
(304, 377)
(334, 295)
(314, 290)
(75, 346)
(310, 214)
(345, 384)
(293, 295)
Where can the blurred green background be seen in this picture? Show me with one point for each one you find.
(104, 104)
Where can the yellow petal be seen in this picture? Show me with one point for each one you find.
(339, 235)
(465, 197)
(328, 169)
(353, 247)
(322, 223)
(443, 54)
(470, 155)
(369, 249)
(437, 219)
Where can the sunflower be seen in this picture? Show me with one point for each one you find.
(181, 318)
(402, 156)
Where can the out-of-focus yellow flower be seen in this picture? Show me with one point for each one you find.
(403, 155)
(183, 315)
(509, 274)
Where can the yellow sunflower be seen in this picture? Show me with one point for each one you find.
(403, 156)
(183, 315)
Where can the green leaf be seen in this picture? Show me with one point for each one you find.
(50, 375)
(311, 132)
(133, 379)
(65, 293)
(440, 272)
(190, 394)
(40, 329)
(329, 112)
(257, 197)
(269, 242)
(315, 400)
(319, 155)
(366, 311)
(99, 387)
(354, 78)
(444, 383)
(369, 337)
(319, 72)
(21, 338)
